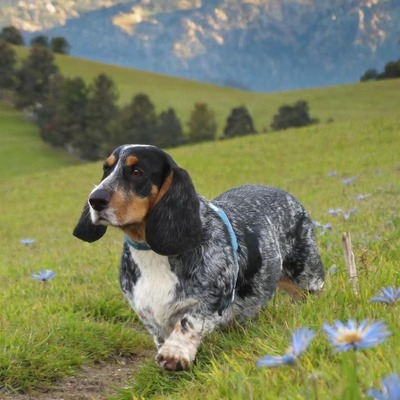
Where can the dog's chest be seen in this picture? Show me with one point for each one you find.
(155, 288)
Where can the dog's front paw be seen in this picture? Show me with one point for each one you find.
(179, 351)
(174, 358)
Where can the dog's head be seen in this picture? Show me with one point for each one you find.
(146, 194)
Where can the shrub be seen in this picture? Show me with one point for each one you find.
(12, 35)
(33, 78)
(136, 123)
(239, 123)
(369, 75)
(169, 130)
(292, 116)
(7, 66)
(202, 124)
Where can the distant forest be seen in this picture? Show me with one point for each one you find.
(87, 121)
(391, 70)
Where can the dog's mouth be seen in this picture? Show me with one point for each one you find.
(107, 218)
(100, 217)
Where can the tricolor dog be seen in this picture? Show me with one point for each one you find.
(190, 265)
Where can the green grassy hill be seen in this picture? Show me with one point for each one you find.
(79, 318)
(22, 152)
(346, 102)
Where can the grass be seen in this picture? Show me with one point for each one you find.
(49, 330)
(22, 152)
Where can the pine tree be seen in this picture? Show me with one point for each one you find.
(136, 123)
(59, 45)
(7, 66)
(202, 124)
(292, 116)
(63, 114)
(12, 35)
(47, 113)
(40, 40)
(239, 123)
(33, 78)
(169, 130)
(101, 110)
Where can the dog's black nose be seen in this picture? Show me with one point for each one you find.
(100, 199)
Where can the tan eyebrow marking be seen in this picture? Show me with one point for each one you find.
(111, 160)
(131, 160)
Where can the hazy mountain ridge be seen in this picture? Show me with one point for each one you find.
(257, 44)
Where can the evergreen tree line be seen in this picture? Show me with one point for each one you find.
(86, 120)
(391, 70)
(12, 35)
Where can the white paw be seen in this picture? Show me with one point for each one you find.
(174, 358)
(179, 351)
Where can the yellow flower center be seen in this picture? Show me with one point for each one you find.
(349, 337)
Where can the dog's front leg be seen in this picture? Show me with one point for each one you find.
(179, 350)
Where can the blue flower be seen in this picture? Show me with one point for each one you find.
(390, 389)
(44, 275)
(387, 295)
(325, 228)
(361, 197)
(334, 211)
(349, 213)
(300, 341)
(27, 242)
(351, 336)
(332, 270)
(347, 181)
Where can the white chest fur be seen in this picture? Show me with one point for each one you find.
(155, 289)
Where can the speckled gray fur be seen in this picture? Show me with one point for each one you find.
(275, 237)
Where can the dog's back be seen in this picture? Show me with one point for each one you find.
(272, 221)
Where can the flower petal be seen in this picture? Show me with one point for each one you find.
(275, 361)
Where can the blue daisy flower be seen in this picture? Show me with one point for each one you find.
(351, 336)
(27, 242)
(300, 341)
(390, 389)
(349, 180)
(387, 295)
(44, 275)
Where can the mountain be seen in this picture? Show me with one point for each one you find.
(261, 45)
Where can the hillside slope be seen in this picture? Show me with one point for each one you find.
(22, 151)
(338, 103)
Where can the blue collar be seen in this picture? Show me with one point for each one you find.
(136, 245)
(229, 299)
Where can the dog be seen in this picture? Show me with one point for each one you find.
(189, 265)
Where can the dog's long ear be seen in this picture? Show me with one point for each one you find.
(86, 230)
(173, 225)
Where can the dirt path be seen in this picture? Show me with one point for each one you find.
(94, 382)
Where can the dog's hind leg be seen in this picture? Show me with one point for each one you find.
(303, 265)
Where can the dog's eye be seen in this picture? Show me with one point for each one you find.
(137, 172)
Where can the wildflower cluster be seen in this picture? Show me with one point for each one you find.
(346, 337)
(343, 337)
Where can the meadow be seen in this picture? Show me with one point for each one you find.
(49, 330)
(338, 103)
